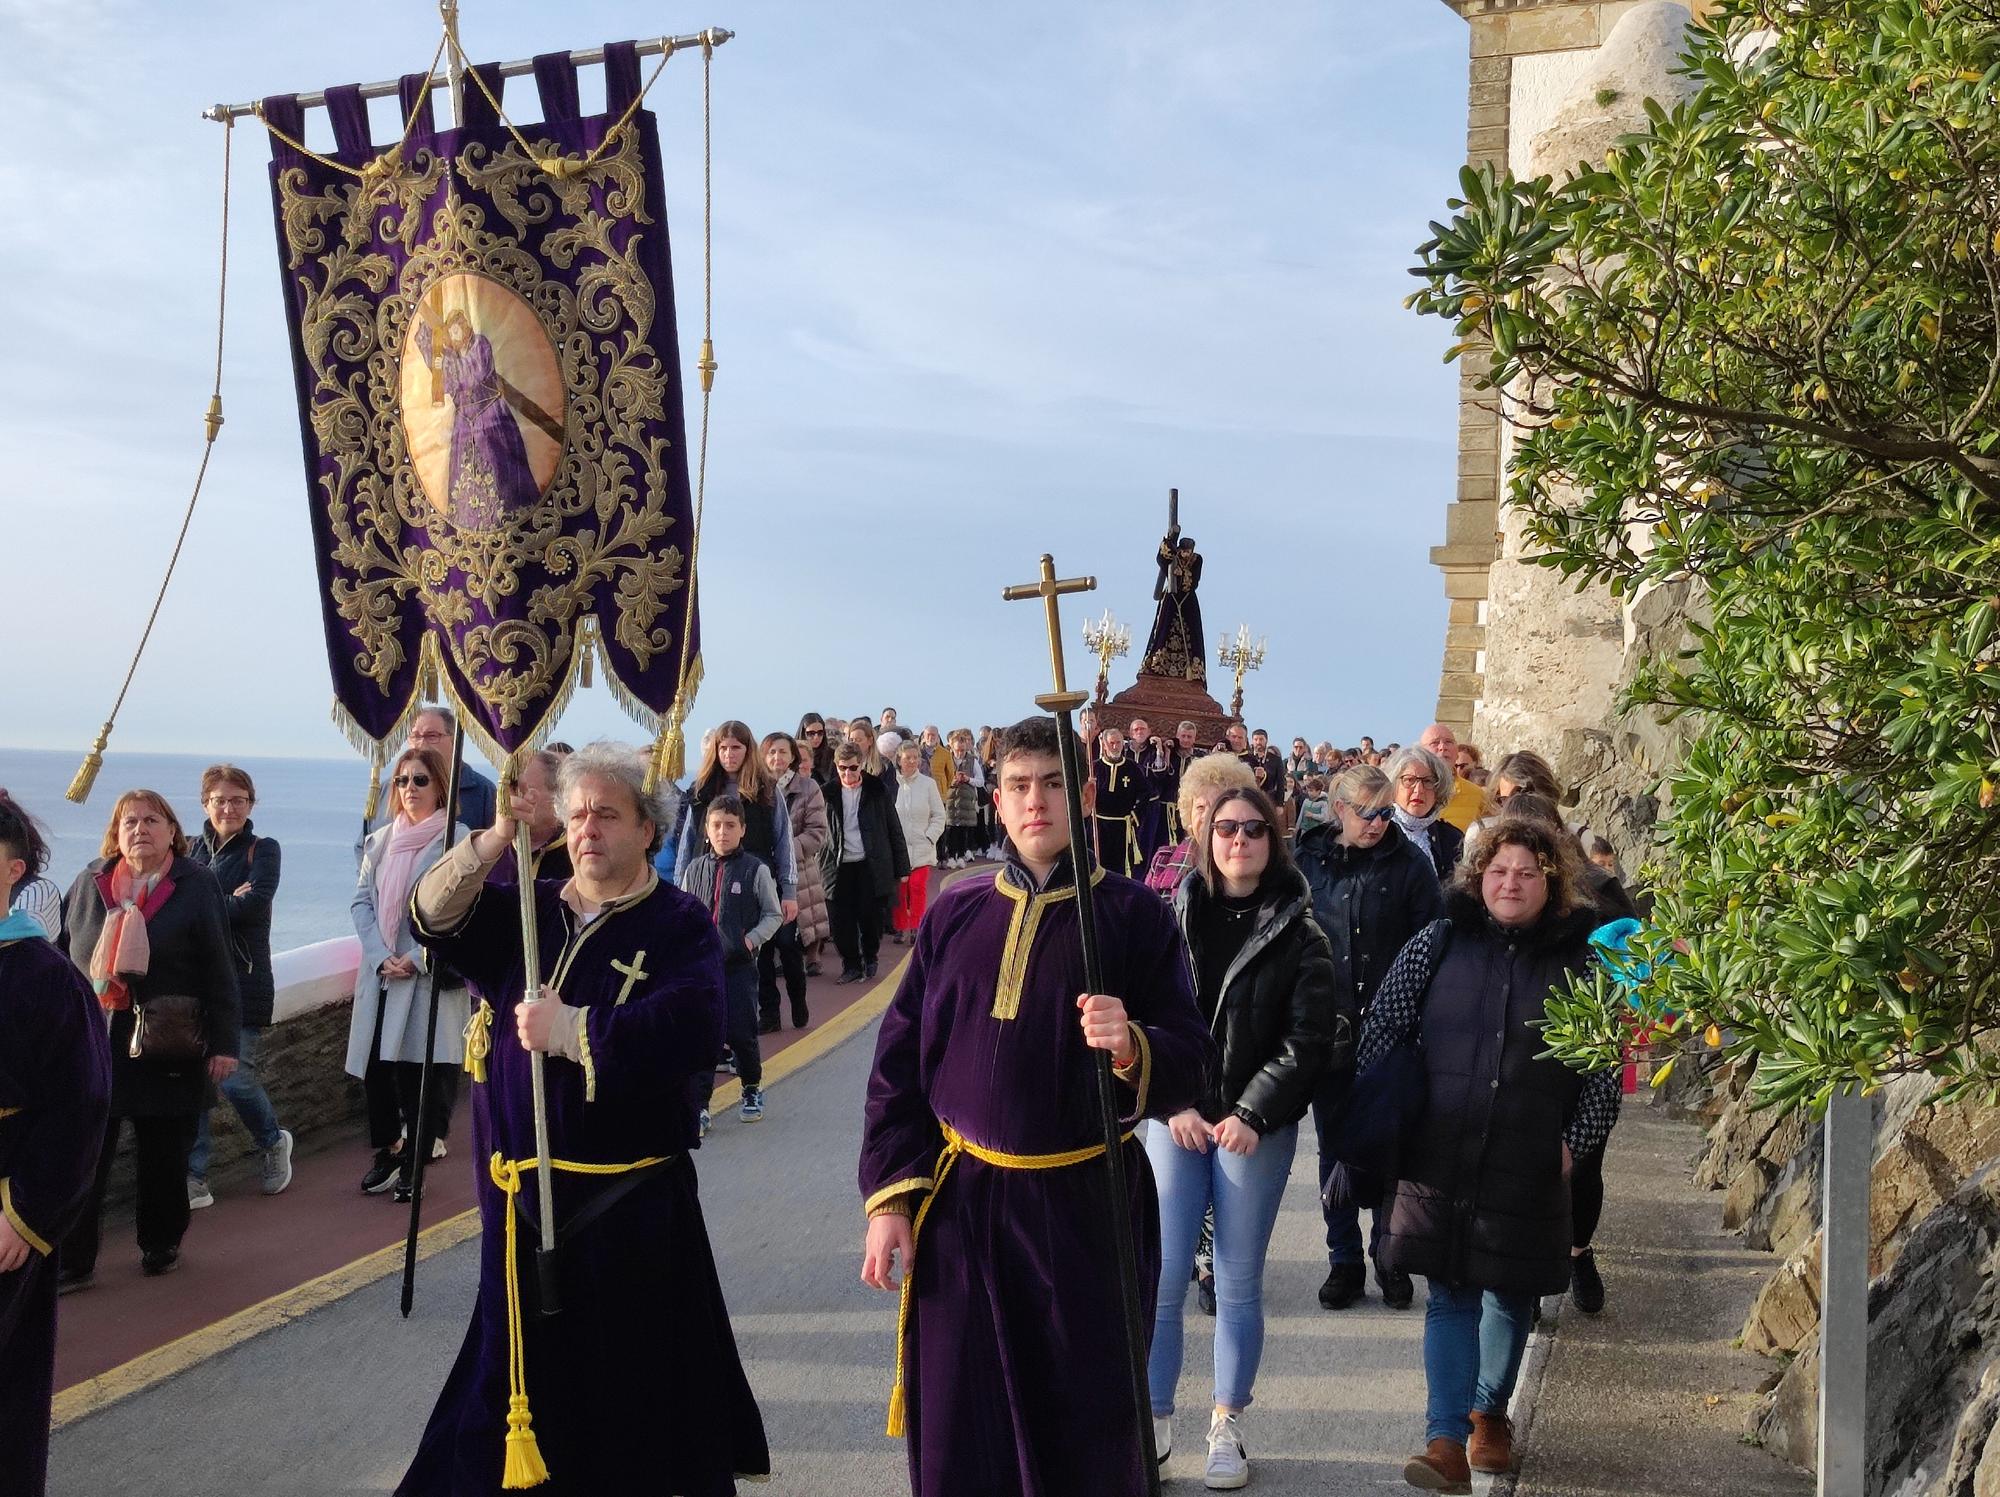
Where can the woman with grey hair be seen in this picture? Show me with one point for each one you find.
(1417, 779)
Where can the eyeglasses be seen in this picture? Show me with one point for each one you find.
(815, 732)
(228, 802)
(1380, 813)
(1253, 829)
(403, 781)
(1413, 781)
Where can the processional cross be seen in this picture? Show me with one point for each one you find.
(1062, 702)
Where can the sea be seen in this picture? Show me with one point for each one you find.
(312, 807)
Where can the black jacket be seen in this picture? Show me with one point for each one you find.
(888, 856)
(1280, 1022)
(1482, 1200)
(1445, 843)
(249, 859)
(1369, 901)
(191, 955)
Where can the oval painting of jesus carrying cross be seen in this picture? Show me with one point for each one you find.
(483, 403)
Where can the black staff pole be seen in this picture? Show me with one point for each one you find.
(1063, 702)
(421, 1144)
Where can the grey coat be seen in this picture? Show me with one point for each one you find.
(404, 1002)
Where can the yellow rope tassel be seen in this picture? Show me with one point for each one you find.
(479, 1040)
(707, 365)
(896, 1423)
(585, 648)
(86, 774)
(374, 801)
(524, 1466)
(427, 680)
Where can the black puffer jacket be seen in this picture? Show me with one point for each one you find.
(887, 854)
(1482, 1200)
(245, 858)
(1281, 1022)
(1369, 901)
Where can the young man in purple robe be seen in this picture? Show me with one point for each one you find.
(634, 1385)
(982, 1144)
(55, 1093)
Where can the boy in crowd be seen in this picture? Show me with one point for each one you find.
(736, 887)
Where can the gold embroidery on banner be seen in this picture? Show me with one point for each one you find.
(604, 515)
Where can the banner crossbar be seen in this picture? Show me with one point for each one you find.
(715, 36)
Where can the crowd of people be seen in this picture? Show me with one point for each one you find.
(1361, 930)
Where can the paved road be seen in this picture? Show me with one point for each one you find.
(332, 1403)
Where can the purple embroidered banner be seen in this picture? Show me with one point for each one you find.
(490, 403)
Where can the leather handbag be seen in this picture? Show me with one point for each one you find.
(168, 1027)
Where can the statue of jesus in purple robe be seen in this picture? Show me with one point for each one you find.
(489, 477)
(982, 1162)
(1176, 648)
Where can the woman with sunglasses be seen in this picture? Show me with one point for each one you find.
(1264, 982)
(1372, 889)
(385, 1032)
(816, 747)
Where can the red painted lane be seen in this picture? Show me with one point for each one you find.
(247, 1246)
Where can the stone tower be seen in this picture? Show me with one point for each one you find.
(1552, 82)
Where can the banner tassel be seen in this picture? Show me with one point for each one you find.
(374, 801)
(86, 774)
(586, 664)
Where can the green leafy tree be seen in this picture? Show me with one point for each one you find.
(1758, 347)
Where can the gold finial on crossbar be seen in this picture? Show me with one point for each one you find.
(1050, 588)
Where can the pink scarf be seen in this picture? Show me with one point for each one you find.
(398, 871)
(123, 952)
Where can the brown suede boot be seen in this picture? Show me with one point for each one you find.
(1441, 1468)
(1491, 1448)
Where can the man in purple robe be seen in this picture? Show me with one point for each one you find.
(55, 1093)
(489, 477)
(635, 1384)
(982, 1144)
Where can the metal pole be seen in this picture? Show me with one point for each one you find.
(421, 1144)
(454, 70)
(531, 962)
(1117, 1193)
(1843, 1321)
(715, 36)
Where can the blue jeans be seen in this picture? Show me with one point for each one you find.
(1473, 1340)
(1246, 1193)
(246, 1094)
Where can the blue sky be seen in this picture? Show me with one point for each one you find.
(989, 280)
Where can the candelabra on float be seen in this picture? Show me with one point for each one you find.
(1107, 639)
(1241, 656)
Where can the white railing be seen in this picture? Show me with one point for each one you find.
(312, 977)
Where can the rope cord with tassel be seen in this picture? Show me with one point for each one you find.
(670, 756)
(86, 775)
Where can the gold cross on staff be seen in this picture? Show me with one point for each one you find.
(632, 972)
(1062, 699)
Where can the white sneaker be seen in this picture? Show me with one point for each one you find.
(277, 1165)
(198, 1194)
(1163, 1437)
(1228, 1465)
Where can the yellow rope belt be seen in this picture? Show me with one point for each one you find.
(524, 1466)
(955, 1144)
(1130, 821)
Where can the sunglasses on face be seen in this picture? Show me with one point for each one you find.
(1380, 813)
(421, 781)
(815, 732)
(850, 769)
(1253, 829)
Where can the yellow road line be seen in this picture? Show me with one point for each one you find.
(150, 1368)
(195, 1347)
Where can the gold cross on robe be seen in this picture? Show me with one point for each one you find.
(632, 972)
